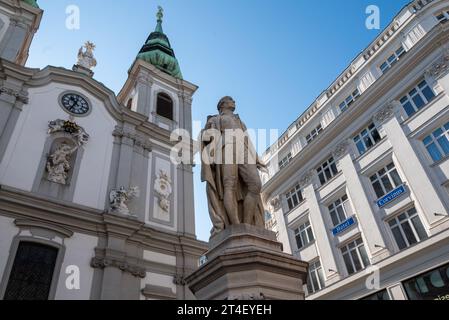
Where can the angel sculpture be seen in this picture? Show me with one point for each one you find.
(119, 199)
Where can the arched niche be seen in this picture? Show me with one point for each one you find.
(59, 167)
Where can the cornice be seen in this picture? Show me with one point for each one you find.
(22, 205)
(30, 224)
(139, 66)
(39, 78)
(61, 75)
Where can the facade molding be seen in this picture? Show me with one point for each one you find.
(341, 149)
(24, 205)
(386, 113)
(440, 68)
(121, 264)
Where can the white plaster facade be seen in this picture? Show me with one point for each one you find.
(425, 41)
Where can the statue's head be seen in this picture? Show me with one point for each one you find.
(226, 103)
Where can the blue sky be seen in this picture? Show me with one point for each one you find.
(273, 57)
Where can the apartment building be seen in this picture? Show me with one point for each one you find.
(358, 185)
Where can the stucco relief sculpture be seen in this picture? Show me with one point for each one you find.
(230, 168)
(86, 58)
(78, 133)
(119, 199)
(163, 189)
(59, 162)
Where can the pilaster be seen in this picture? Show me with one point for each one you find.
(329, 263)
(415, 174)
(365, 215)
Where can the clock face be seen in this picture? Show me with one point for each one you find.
(75, 104)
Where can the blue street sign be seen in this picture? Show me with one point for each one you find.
(396, 193)
(342, 227)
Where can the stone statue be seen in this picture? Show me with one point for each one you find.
(119, 199)
(58, 164)
(230, 167)
(86, 58)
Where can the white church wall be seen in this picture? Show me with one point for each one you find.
(22, 158)
(4, 24)
(8, 231)
(159, 280)
(79, 250)
(159, 257)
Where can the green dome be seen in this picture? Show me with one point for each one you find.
(157, 51)
(32, 3)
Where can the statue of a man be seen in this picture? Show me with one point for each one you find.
(230, 166)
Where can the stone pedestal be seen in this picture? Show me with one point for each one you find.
(247, 263)
(81, 69)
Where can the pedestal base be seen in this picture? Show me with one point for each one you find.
(247, 263)
(81, 69)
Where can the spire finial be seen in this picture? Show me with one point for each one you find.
(160, 14)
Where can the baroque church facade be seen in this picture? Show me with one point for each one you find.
(88, 191)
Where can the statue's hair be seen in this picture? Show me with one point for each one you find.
(223, 100)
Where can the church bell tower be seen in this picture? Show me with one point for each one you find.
(155, 87)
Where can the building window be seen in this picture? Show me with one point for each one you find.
(129, 104)
(340, 210)
(349, 100)
(304, 235)
(355, 257)
(407, 229)
(32, 272)
(386, 180)
(417, 98)
(164, 106)
(285, 161)
(367, 138)
(437, 144)
(443, 17)
(294, 197)
(433, 285)
(384, 67)
(378, 296)
(327, 171)
(315, 132)
(315, 281)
